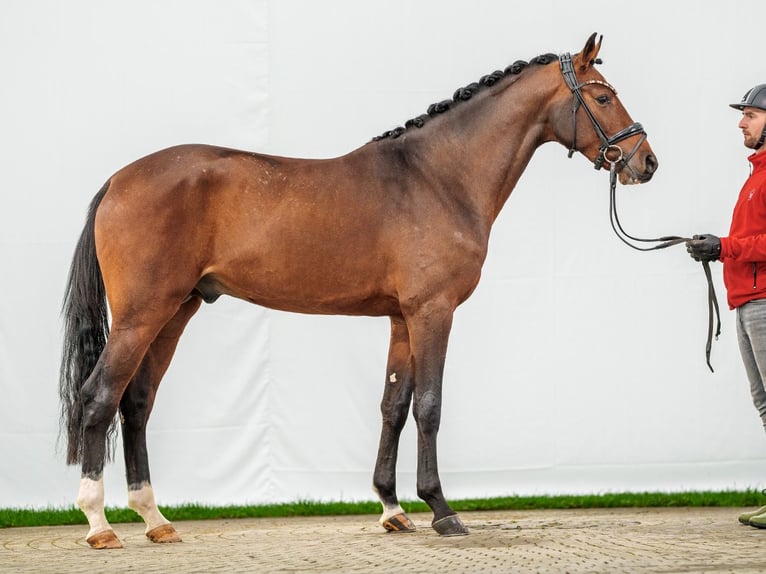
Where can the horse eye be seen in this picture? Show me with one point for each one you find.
(603, 100)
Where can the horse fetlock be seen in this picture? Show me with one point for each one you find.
(141, 500)
(431, 493)
(385, 488)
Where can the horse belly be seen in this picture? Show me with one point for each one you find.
(315, 283)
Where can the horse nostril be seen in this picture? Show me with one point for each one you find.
(651, 164)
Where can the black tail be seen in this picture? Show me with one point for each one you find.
(86, 328)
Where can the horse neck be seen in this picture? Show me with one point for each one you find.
(480, 148)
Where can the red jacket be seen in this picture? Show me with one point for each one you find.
(743, 252)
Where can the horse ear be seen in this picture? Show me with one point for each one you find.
(590, 52)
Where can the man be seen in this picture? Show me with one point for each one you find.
(743, 254)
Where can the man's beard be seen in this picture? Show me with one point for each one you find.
(752, 142)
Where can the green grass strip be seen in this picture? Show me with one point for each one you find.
(12, 517)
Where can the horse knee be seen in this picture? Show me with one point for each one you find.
(384, 486)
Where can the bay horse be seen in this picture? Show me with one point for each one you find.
(398, 227)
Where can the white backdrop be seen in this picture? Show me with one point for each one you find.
(576, 367)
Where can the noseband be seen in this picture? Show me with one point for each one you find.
(615, 165)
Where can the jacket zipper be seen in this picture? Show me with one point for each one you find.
(755, 275)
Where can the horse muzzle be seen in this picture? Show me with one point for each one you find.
(638, 169)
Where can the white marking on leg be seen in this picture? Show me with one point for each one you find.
(388, 511)
(90, 499)
(141, 500)
(392, 378)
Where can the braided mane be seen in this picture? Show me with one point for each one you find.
(466, 93)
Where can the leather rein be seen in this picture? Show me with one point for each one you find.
(609, 147)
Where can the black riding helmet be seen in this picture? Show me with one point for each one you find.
(754, 98)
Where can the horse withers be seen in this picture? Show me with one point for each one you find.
(398, 227)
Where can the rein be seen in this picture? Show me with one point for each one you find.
(662, 243)
(609, 144)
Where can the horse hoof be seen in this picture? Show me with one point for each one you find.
(105, 540)
(399, 523)
(163, 534)
(450, 526)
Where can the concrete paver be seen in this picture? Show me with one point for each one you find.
(638, 541)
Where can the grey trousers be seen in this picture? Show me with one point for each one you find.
(751, 335)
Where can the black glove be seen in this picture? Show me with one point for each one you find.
(704, 247)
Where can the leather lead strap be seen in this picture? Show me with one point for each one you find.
(663, 242)
(712, 305)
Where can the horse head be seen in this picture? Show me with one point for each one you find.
(588, 117)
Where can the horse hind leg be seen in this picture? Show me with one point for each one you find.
(135, 409)
(90, 499)
(100, 397)
(394, 408)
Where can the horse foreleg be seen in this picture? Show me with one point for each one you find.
(135, 407)
(429, 332)
(394, 408)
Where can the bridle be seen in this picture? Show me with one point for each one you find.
(620, 162)
(607, 143)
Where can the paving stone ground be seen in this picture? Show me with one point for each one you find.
(636, 541)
